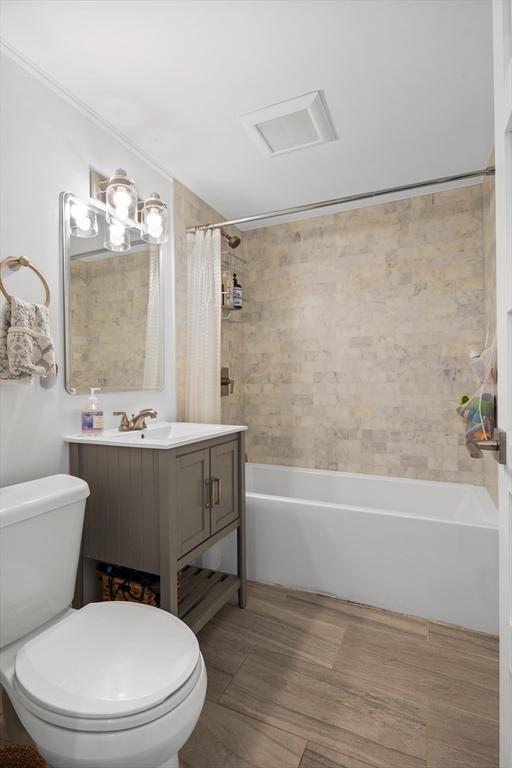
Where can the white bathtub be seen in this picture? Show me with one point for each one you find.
(413, 546)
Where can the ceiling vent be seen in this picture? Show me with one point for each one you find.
(292, 124)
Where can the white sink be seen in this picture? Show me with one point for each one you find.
(162, 434)
(155, 433)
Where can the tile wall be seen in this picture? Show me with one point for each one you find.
(352, 347)
(356, 335)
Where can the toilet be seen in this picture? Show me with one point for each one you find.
(112, 685)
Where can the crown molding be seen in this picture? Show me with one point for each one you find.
(81, 106)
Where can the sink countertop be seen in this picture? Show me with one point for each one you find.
(161, 434)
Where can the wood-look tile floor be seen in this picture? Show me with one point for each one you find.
(298, 680)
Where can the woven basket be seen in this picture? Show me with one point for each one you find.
(117, 588)
(20, 756)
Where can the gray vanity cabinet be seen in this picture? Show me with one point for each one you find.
(192, 500)
(224, 490)
(208, 497)
(158, 510)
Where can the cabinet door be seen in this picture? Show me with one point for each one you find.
(224, 479)
(193, 499)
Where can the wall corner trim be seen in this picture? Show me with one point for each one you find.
(81, 106)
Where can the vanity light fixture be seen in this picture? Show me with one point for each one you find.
(118, 236)
(121, 197)
(154, 219)
(118, 192)
(83, 221)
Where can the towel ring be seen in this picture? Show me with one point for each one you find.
(15, 263)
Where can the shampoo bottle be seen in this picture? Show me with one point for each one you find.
(92, 415)
(237, 294)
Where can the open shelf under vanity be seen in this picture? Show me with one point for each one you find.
(202, 593)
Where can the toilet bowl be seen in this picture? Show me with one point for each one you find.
(112, 685)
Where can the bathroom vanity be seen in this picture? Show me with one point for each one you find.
(159, 499)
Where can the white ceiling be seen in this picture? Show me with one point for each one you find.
(408, 84)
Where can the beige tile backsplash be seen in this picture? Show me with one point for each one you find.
(351, 350)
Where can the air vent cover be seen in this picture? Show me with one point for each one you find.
(293, 124)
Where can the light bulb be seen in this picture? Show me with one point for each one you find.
(78, 211)
(116, 233)
(154, 223)
(121, 199)
(154, 220)
(80, 214)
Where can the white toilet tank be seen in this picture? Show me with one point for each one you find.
(40, 532)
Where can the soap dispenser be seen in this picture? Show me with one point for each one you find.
(92, 415)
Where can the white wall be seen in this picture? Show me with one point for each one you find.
(47, 146)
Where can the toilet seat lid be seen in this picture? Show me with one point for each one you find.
(108, 660)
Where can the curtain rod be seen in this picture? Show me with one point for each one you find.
(489, 171)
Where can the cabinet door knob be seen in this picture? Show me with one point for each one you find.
(208, 487)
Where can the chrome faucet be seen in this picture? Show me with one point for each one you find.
(136, 422)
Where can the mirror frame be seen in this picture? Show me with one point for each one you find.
(65, 238)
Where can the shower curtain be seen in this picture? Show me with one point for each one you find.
(153, 349)
(202, 387)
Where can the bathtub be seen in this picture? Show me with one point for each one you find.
(419, 547)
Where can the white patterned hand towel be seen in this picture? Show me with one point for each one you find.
(5, 324)
(26, 346)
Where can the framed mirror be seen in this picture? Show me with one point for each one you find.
(112, 302)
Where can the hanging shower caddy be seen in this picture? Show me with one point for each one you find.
(232, 265)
